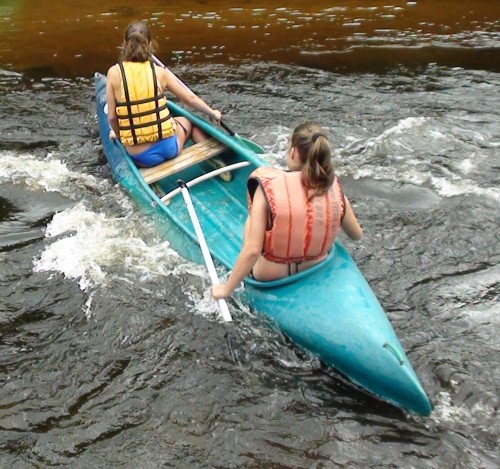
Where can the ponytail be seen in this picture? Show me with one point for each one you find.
(137, 45)
(316, 157)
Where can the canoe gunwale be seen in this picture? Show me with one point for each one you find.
(333, 327)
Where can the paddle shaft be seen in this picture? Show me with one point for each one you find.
(228, 130)
(158, 62)
(223, 309)
(253, 146)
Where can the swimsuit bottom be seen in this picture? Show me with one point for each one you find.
(293, 268)
(163, 150)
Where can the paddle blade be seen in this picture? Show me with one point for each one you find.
(250, 145)
(243, 141)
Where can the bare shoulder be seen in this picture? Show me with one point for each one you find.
(163, 75)
(113, 73)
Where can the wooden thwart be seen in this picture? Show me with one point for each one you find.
(189, 156)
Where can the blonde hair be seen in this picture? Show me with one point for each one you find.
(315, 155)
(137, 45)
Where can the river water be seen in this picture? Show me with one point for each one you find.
(111, 354)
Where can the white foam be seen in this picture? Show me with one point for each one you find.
(87, 309)
(91, 246)
(203, 304)
(403, 153)
(445, 411)
(96, 245)
(49, 174)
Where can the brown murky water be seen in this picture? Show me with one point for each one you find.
(76, 38)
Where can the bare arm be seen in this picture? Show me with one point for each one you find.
(113, 81)
(253, 241)
(350, 223)
(174, 85)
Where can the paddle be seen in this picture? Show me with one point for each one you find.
(223, 309)
(248, 143)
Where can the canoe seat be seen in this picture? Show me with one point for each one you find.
(188, 157)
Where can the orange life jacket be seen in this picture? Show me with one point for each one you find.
(299, 229)
(143, 115)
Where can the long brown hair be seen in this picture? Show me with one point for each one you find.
(315, 154)
(137, 44)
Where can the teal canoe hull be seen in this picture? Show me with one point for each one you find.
(329, 310)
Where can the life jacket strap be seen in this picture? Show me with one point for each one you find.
(131, 116)
(146, 113)
(146, 124)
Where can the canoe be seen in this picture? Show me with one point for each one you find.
(329, 309)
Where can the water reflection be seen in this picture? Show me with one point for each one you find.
(72, 39)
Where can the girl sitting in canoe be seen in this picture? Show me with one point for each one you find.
(295, 215)
(137, 108)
